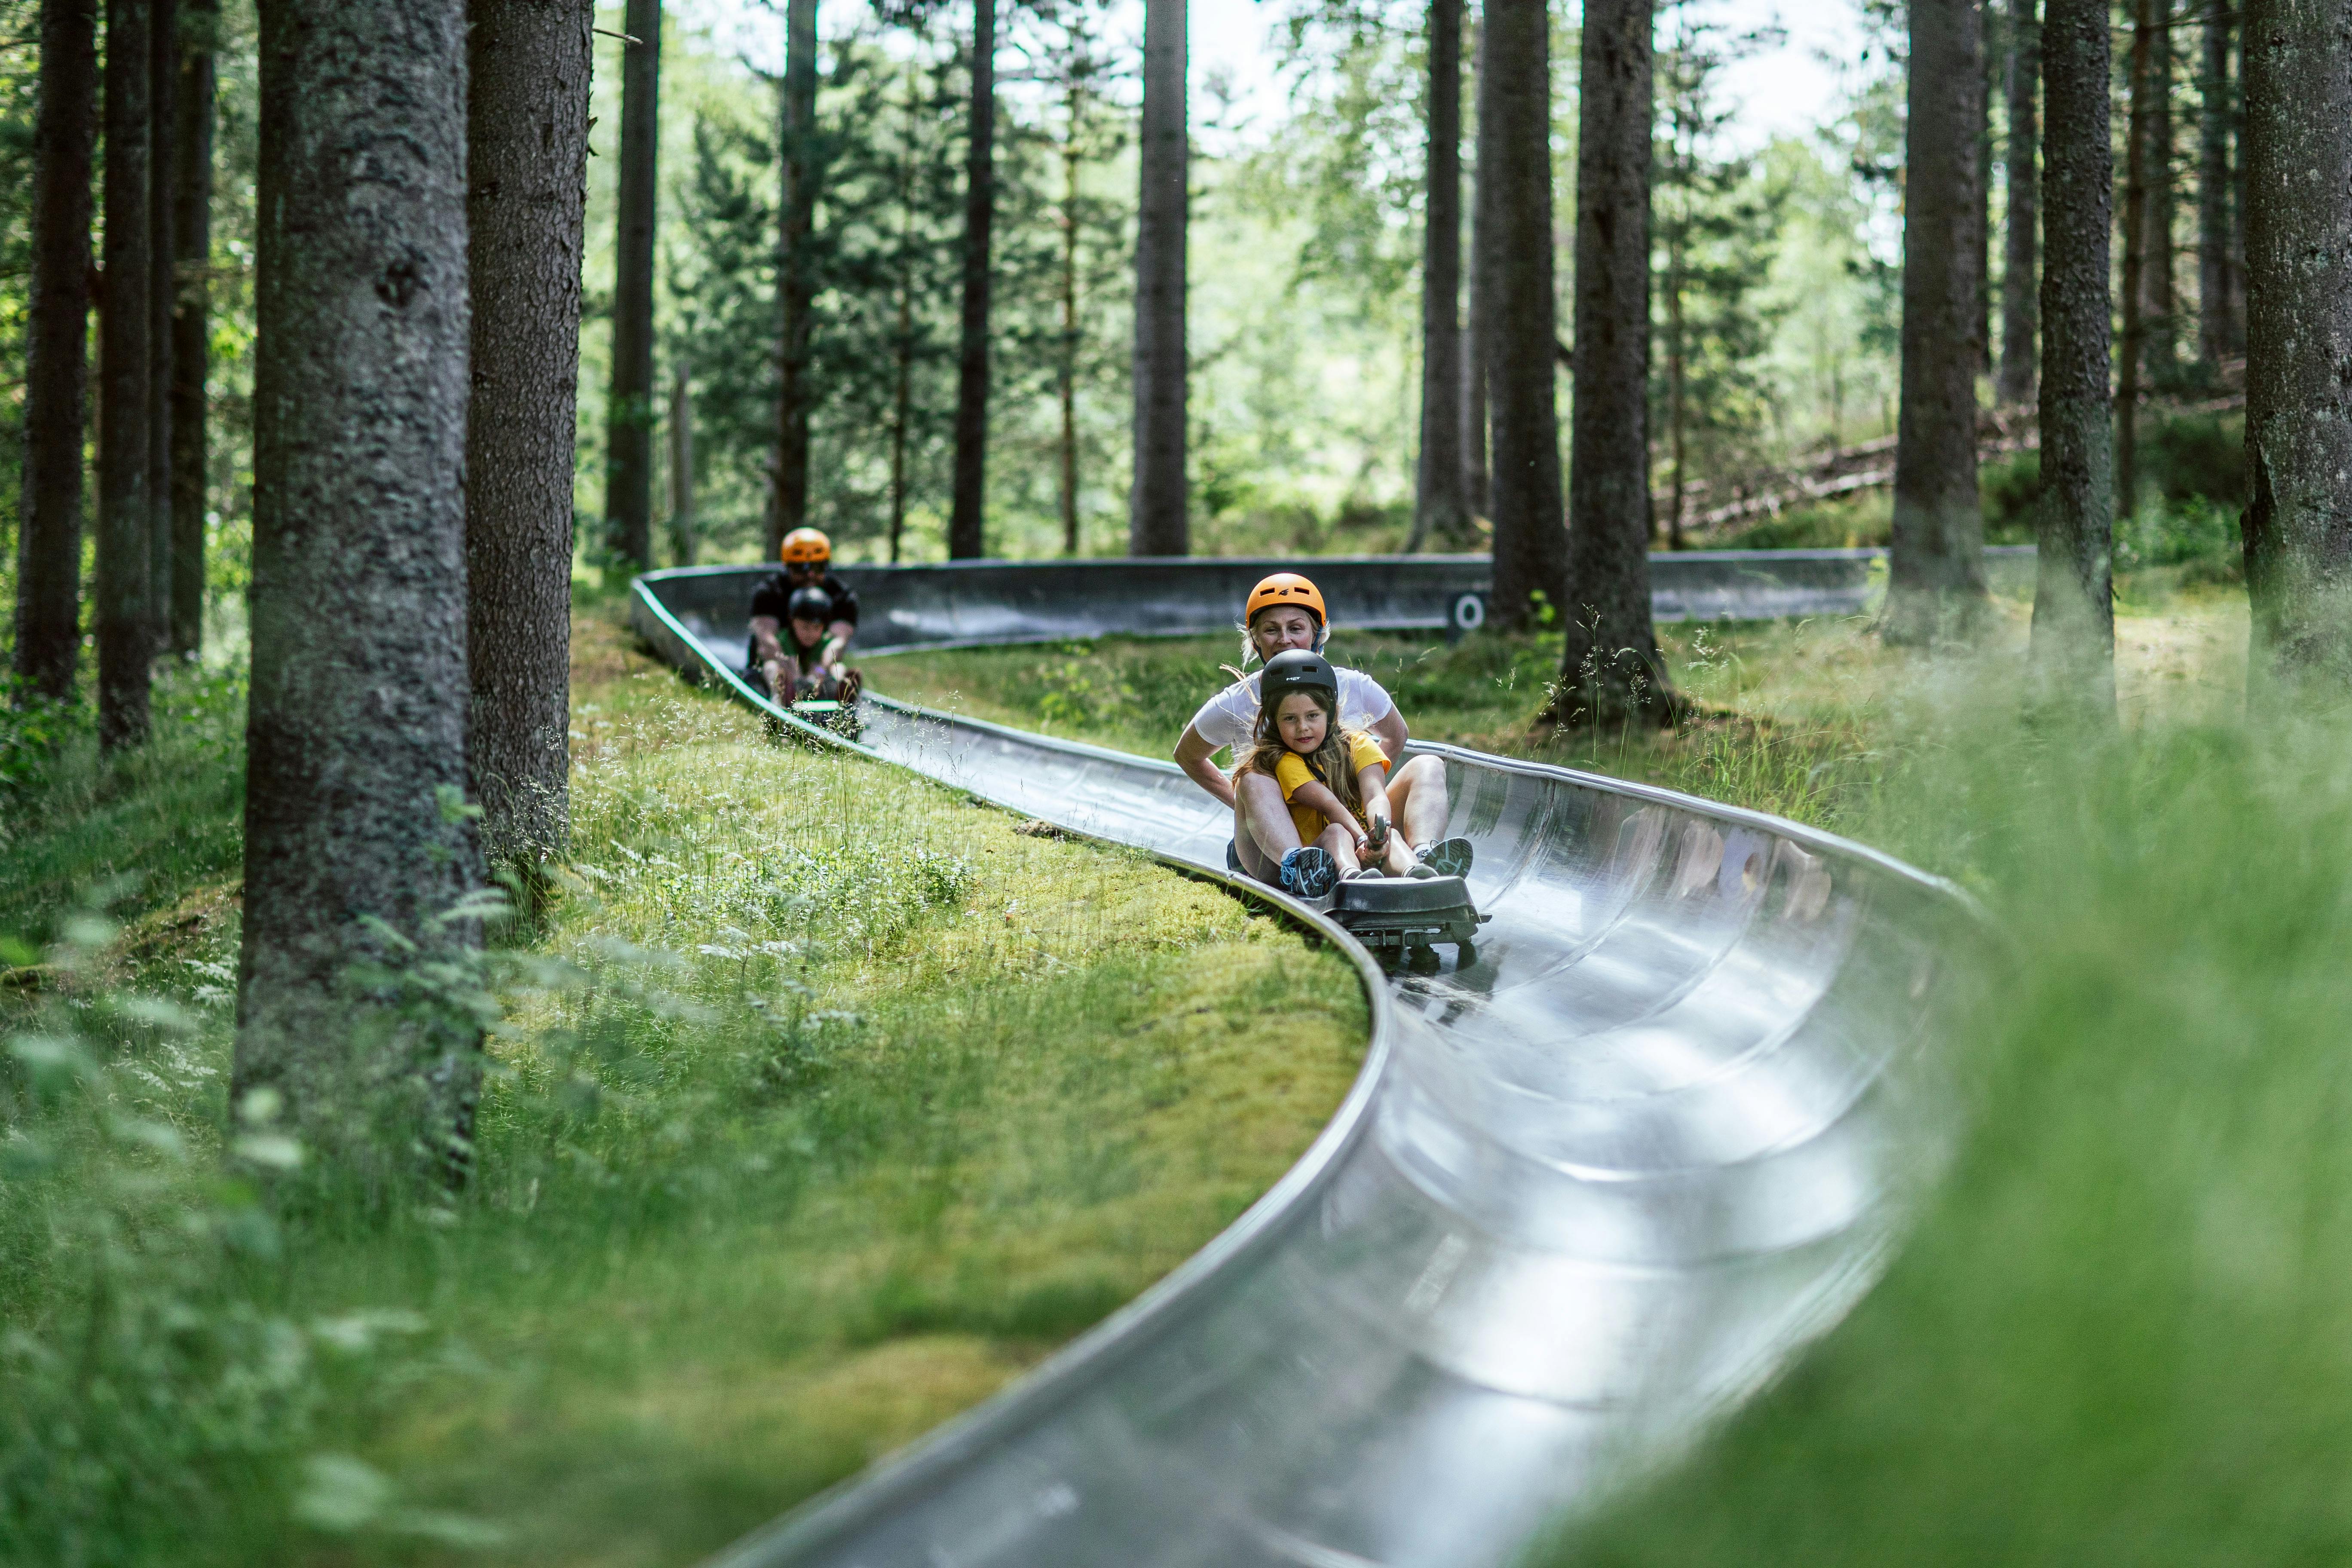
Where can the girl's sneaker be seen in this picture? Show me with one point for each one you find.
(1309, 872)
(1448, 858)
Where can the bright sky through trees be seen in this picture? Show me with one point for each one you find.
(1787, 89)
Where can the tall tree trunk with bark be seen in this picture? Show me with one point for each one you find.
(1438, 504)
(2218, 335)
(1477, 337)
(355, 745)
(683, 538)
(1987, 44)
(2019, 262)
(191, 239)
(795, 277)
(967, 515)
(1066, 359)
(2073, 609)
(57, 371)
(2297, 58)
(1611, 671)
(1477, 348)
(2130, 382)
(1936, 584)
(125, 507)
(629, 410)
(529, 64)
(164, 81)
(1515, 110)
(2163, 331)
(1155, 524)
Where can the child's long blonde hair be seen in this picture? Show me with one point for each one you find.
(1331, 763)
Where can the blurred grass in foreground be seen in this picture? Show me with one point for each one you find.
(825, 1103)
(2120, 1331)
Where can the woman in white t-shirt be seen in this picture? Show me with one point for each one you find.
(1285, 611)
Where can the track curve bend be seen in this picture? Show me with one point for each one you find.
(1586, 1192)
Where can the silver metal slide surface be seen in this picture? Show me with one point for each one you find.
(1589, 1190)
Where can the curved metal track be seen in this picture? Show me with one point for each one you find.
(1588, 1191)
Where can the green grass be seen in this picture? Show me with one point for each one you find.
(2120, 1331)
(825, 1102)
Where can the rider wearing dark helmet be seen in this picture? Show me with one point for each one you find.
(1333, 780)
(790, 595)
(1287, 612)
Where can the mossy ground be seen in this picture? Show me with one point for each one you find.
(827, 1103)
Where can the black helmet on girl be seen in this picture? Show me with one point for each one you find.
(1296, 670)
(810, 604)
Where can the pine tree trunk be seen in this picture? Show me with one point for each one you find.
(1514, 107)
(1674, 380)
(1936, 584)
(163, 83)
(2216, 293)
(902, 398)
(2074, 615)
(1066, 364)
(2298, 63)
(683, 539)
(2163, 331)
(2132, 349)
(192, 236)
(1438, 503)
(2019, 261)
(1610, 671)
(527, 148)
(967, 537)
(629, 410)
(125, 509)
(795, 279)
(356, 739)
(1985, 57)
(1157, 506)
(57, 371)
(1479, 346)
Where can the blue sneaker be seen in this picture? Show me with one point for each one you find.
(1448, 858)
(1309, 872)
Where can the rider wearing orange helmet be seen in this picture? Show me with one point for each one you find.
(807, 563)
(1284, 612)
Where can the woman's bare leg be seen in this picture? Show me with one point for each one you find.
(1418, 799)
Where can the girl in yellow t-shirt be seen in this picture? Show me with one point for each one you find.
(1333, 780)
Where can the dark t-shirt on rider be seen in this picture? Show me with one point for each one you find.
(773, 597)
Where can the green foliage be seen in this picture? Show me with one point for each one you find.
(819, 1105)
(2194, 466)
(1713, 238)
(136, 831)
(887, 264)
(150, 1391)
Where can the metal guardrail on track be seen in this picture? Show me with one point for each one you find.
(1589, 1190)
(971, 603)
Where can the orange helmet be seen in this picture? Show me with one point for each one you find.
(1285, 588)
(806, 547)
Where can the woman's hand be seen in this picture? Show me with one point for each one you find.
(1375, 838)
